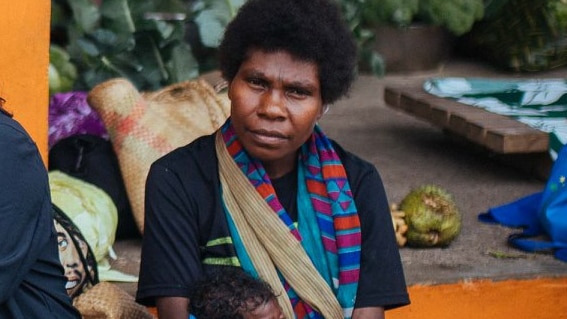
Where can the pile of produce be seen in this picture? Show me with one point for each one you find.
(427, 217)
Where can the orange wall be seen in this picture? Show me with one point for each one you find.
(24, 60)
(544, 298)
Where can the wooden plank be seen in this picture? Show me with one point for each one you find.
(498, 133)
(478, 128)
(392, 97)
(516, 140)
(439, 117)
(474, 125)
(460, 123)
(415, 106)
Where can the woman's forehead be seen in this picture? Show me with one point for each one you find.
(281, 64)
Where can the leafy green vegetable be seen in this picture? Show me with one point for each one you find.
(146, 41)
(368, 58)
(397, 12)
(142, 40)
(457, 16)
(212, 17)
(559, 9)
(62, 73)
(119, 39)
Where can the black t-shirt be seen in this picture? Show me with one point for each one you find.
(32, 284)
(186, 232)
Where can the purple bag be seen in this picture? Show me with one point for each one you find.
(70, 114)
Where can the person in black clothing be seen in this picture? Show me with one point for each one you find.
(32, 284)
(269, 191)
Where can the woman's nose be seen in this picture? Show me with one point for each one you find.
(272, 105)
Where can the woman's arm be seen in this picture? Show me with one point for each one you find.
(172, 308)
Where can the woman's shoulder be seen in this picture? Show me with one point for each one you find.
(197, 148)
(199, 153)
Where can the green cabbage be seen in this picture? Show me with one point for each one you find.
(92, 210)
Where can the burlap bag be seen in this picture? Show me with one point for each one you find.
(108, 301)
(144, 126)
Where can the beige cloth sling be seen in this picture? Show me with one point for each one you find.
(269, 242)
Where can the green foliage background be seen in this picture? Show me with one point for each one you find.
(142, 40)
(154, 43)
(457, 16)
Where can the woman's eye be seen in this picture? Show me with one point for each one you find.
(256, 82)
(298, 92)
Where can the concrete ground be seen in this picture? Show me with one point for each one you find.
(409, 152)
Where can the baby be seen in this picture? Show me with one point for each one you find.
(231, 293)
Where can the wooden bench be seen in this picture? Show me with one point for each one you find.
(498, 133)
(511, 142)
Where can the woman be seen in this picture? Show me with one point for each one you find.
(269, 192)
(32, 284)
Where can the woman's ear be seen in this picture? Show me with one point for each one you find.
(324, 110)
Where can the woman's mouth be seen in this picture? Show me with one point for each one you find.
(268, 137)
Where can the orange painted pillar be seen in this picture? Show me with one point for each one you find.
(24, 61)
(544, 298)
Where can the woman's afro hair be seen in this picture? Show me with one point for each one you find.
(311, 30)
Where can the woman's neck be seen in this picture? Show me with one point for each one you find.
(277, 169)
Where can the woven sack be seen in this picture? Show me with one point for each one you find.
(108, 301)
(145, 126)
(519, 35)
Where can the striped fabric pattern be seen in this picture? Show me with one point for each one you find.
(332, 200)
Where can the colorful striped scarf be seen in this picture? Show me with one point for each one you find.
(329, 227)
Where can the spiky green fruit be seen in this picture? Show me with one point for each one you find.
(432, 217)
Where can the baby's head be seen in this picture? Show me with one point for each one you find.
(231, 293)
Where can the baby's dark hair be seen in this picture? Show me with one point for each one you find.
(313, 31)
(228, 294)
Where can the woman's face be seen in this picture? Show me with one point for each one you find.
(275, 103)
